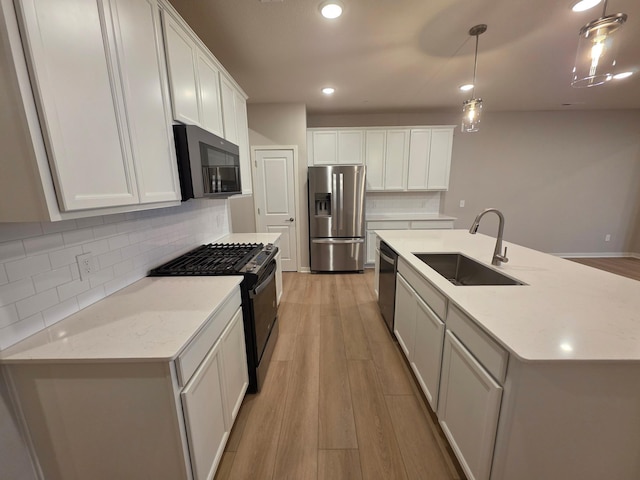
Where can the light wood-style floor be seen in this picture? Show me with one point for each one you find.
(626, 266)
(339, 401)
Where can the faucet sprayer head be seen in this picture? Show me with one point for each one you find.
(474, 228)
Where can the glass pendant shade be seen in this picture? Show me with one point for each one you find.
(597, 48)
(471, 112)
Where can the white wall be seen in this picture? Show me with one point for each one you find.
(285, 124)
(563, 179)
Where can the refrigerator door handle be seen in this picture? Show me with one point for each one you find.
(335, 214)
(341, 224)
(337, 240)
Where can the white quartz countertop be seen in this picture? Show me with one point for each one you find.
(567, 311)
(249, 238)
(373, 217)
(152, 319)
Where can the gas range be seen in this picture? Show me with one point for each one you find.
(220, 259)
(256, 263)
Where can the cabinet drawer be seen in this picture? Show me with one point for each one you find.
(491, 355)
(193, 354)
(431, 224)
(389, 225)
(432, 297)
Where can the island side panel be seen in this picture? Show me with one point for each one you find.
(562, 420)
(101, 421)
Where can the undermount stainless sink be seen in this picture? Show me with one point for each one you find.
(464, 271)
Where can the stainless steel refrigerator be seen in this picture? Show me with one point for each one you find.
(336, 218)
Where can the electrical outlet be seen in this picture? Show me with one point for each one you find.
(86, 265)
(607, 238)
(461, 203)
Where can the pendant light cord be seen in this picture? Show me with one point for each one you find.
(475, 65)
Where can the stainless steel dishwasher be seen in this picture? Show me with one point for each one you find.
(387, 283)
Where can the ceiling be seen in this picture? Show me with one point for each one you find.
(411, 55)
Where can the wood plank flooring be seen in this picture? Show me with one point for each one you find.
(339, 401)
(625, 266)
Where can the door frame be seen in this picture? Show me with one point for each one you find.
(254, 167)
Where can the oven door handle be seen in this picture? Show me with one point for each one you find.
(262, 285)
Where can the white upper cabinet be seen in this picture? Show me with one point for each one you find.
(331, 147)
(210, 102)
(440, 158)
(375, 147)
(88, 142)
(397, 159)
(351, 147)
(229, 112)
(193, 76)
(140, 49)
(80, 103)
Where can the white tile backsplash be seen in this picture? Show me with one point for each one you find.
(403, 202)
(39, 278)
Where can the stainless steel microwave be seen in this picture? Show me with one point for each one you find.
(209, 166)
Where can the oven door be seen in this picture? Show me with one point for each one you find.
(264, 303)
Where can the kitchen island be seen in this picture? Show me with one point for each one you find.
(528, 381)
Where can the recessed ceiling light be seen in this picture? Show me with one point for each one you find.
(621, 75)
(466, 87)
(331, 9)
(328, 90)
(583, 5)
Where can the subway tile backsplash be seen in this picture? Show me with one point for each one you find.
(40, 282)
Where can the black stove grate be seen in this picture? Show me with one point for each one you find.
(211, 259)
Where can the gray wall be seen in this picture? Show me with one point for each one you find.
(285, 124)
(563, 179)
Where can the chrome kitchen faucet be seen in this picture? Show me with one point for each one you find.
(497, 256)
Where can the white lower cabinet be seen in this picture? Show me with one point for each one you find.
(135, 419)
(203, 403)
(458, 367)
(469, 408)
(212, 398)
(419, 332)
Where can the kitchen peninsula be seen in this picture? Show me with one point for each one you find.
(528, 381)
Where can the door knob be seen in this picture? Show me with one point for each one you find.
(290, 220)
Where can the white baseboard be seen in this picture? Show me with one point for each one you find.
(635, 255)
(597, 255)
(304, 270)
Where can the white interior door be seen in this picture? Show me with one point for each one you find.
(276, 201)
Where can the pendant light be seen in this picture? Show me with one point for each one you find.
(472, 108)
(597, 48)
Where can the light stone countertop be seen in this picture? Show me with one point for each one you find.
(375, 217)
(151, 319)
(567, 311)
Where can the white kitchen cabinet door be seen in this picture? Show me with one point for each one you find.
(419, 149)
(235, 365)
(139, 46)
(427, 355)
(183, 76)
(375, 146)
(243, 142)
(203, 400)
(350, 147)
(468, 408)
(325, 147)
(440, 158)
(229, 111)
(405, 316)
(396, 160)
(80, 102)
(376, 271)
(209, 90)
